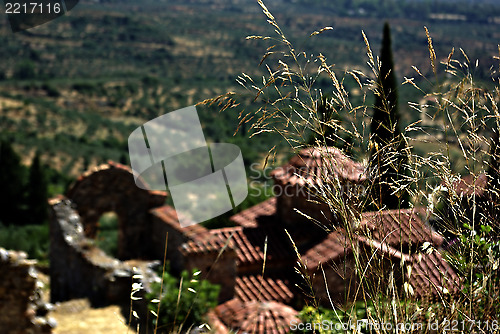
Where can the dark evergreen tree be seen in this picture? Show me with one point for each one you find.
(324, 134)
(493, 170)
(389, 154)
(492, 198)
(123, 159)
(328, 133)
(12, 176)
(37, 192)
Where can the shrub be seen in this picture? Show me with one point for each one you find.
(32, 239)
(183, 303)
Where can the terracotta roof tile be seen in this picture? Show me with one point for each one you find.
(169, 215)
(314, 166)
(399, 226)
(256, 317)
(247, 242)
(260, 288)
(431, 273)
(332, 247)
(248, 217)
(469, 185)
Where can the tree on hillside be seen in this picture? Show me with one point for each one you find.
(493, 170)
(388, 155)
(324, 133)
(11, 184)
(328, 131)
(493, 177)
(37, 192)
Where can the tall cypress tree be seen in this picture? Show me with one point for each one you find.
(328, 133)
(388, 156)
(324, 134)
(492, 198)
(37, 192)
(493, 170)
(12, 178)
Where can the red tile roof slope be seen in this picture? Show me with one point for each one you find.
(256, 317)
(248, 217)
(317, 165)
(396, 226)
(431, 273)
(169, 215)
(391, 227)
(249, 243)
(332, 247)
(469, 185)
(260, 288)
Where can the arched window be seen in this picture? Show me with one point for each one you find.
(107, 233)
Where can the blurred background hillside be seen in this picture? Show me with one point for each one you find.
(72, 90)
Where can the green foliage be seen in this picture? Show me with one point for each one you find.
(257, 193)
(107, 236)
(477, 259)
(32, 239)
(183, 302)
(327, 321)
(25, 70)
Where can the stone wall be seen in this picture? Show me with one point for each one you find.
(21, 307)
(78, 269)
(341, 281)
(111, 187)
(218, 269)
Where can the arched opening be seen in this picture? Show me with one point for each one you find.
(111, 188)
(107, 233)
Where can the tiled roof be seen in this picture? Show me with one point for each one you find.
(248, 217)
(260, 288)
(395, 227)
(389, 228)
(248, 243)
(256, 317)
(431, 273)
(316, 165)
(169, 215)
(332, 247)
(384, 249)
(469, 185)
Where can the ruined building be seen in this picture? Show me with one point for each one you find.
(255, 260)
(22, 308)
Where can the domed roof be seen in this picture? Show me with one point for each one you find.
(256, 316)
(319, 165)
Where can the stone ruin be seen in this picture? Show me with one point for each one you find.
(79, 269)
(111, 187)
(232, 257)
(22, 309)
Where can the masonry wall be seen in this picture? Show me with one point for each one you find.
(341, 281)
(21, 309)
(292, 198)
(217, 269)
(111, 187)
(78, 269)
(159, 232)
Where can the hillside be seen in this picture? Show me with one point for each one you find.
(76, 87)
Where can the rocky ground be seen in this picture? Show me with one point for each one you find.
(77, 317)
